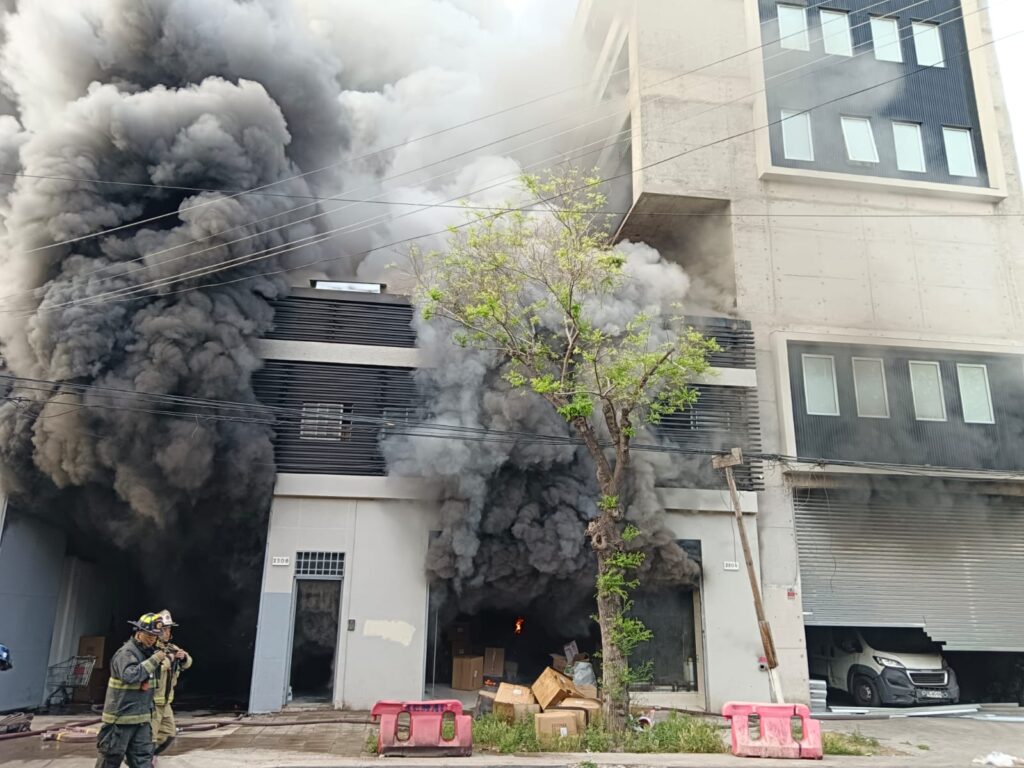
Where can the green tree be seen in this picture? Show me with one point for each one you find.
(523, 285)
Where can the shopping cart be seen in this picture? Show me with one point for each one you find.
(63, 678)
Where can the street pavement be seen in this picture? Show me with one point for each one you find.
(906, 743)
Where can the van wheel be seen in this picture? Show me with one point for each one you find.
(865, 691)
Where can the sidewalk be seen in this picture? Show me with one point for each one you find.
(909, 743)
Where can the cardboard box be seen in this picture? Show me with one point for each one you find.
(588, 691)
(558, 662)
(511, 670)
(95, 646)
(514, 702)
(590, 707)
(494, 662)
(554, 724)
(467, 673)
(551, 688)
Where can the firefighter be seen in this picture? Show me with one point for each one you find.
(128, 708)
(172, 666)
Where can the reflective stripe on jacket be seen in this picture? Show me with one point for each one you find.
(129, 699)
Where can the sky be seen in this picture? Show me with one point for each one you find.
(1008, 22)
(1007, 29)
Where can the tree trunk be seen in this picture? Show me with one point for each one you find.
(607, 540)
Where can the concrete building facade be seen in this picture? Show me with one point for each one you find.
(842, 176)
(336, 358)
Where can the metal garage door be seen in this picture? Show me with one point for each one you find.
(954, 566)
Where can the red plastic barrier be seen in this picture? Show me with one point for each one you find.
(775, 735)
(421, 735)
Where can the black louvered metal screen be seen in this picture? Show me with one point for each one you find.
(322, 425)
(343, 321)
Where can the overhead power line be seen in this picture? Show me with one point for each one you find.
(278, 416)
(398, 145)
(373, 221)
(130, 291)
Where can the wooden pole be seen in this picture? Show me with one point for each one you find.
(726, 462)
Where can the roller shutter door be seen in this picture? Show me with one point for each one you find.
(953, 565)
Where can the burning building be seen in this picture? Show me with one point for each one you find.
(181, 398)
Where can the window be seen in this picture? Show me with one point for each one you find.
(820, 385)
(860, 141)
(926, 384)
(886, 35)
(869, 386)
(320, 564)
(835, 32)
(928, 44)
(793, 27)
(909, 147)
(796, 135)
(959, 151)
(325, 421)
(975, 396)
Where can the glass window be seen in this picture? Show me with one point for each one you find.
(325, 421)
(928, 44)
(796, 135)
(886, 35)
(909, 147)
(926, 384)
(835, 32)
(860, 141)
(975, 396)
(820, 385)
(959, 152)
(869, 386)
(793, 27)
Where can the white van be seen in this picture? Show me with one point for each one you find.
(882, 666)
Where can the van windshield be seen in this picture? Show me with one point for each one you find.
(898, 640)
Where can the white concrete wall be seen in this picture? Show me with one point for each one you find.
(870, 270)
(31, 558)
(385, 589)
(731, 639)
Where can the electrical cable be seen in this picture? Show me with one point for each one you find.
(473, 434)
(402, 144)
(201, 272)
(428, 206)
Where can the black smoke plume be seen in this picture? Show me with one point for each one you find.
(127, 129)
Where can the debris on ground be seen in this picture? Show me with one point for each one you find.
(15, 723)
(999, 760)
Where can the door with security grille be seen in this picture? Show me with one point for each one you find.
(318, 581)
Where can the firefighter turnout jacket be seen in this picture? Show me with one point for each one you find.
(167, 675)
(129, 698)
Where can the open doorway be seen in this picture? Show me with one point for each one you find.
(315, 638)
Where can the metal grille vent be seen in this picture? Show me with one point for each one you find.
(328, 564)
(325, 421)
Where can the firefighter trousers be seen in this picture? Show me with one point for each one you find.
(163, 726)
(129, 743)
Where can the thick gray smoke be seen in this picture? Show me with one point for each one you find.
(514, 513)
(315, 97)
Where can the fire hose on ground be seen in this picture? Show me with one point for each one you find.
(78, 733)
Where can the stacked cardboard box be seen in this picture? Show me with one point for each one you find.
(514, 703)
(555, 724)
(494, 662)
(552, 687)
(467, 673)
(566, 711)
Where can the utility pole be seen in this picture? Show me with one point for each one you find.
(726, 462)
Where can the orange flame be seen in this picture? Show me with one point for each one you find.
(519, 625)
